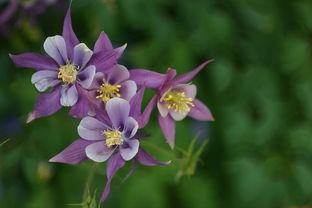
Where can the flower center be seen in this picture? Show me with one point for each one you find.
(177, 101)
(68, 73)
(108, 91)
(112, 137)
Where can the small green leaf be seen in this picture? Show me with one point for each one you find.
(189, 160)
(89, 202)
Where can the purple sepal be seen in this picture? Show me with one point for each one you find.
(8, 12)
(34, 61)
(46, 104)
(167, 125)
(200, 112)
(133, 167)
(69, 35)
(146, 159)
(188, 76)
(102, 43)
(75, 153)
(114, 163)
(135, 104)
(147, 78)
(147, 112)
(105, 60)
(140, 135)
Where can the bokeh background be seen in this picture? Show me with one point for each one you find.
(259, 88)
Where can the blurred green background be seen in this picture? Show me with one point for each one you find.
(259, 88)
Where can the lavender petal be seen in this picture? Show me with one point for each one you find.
(118, 111)
(55, 47)
(91, 129)
(82, 55)
(190, 92)
(128, 89)
(99, 152)
(129, 149)
(69, 96)
(86, 76)
(97, 81)
(131, 127)
(118, 75)
(45, 79)
(162, 109)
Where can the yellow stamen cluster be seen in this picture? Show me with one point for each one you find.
(68, 73)
(113, 137)
(108, 91)
(177, 101)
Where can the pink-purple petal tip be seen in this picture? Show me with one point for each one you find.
(146, 159)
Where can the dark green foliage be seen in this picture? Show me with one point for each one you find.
(259, 89)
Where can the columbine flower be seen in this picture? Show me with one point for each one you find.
(102, 136)
(22, 10)
(116, 133)
(68, 71)
(175, 98)
(116, 83)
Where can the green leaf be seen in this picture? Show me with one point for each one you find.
(189, 160)
(89, 202)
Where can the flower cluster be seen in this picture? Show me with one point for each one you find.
(107, 97)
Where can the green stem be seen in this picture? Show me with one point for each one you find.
(5, 141)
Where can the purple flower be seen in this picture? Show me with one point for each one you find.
(6, 14)
(22, 10)
(175, 98)
(116, 83)
(117, 133)
(103, 135)
(68, 71)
